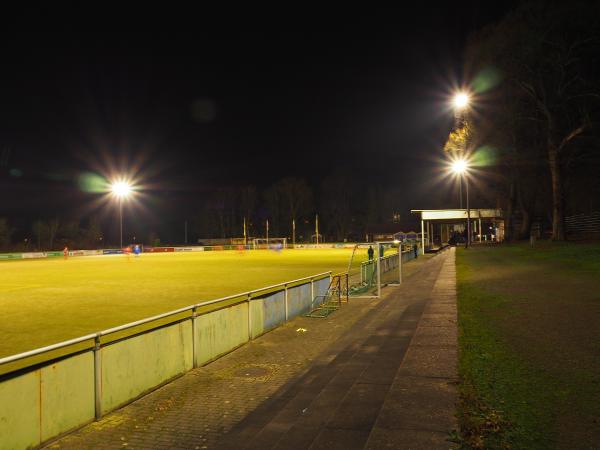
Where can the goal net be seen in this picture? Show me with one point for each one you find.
(271, 243)
(372, 266)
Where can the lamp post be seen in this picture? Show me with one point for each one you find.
(460, 167)
(460, 102)
(121, 190)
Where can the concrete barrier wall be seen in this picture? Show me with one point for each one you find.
(67, 395)
(299, 300)
(20, 425)
(41, 404)
(133, 366)
(273, 311)
(221, 331)
(257, 312)
(46, 402)
(321, 287)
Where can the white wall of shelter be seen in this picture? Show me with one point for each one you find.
(486, 224)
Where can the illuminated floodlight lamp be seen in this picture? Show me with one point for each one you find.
(121, 189)
(460, 100)
(459, 166)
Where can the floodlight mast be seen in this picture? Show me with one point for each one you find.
(121, 190)
(460, 102)
(460, 167)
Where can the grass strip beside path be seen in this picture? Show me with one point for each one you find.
(529, 336)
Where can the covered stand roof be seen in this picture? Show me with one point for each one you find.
(458, 214)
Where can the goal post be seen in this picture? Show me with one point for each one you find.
(382, 268)
(270, 243)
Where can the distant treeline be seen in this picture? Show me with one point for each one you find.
(346, 210)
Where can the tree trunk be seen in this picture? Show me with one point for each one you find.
(558, 229)
(525, 215)
(525, 224)
(510, 209)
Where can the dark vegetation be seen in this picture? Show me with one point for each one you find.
(529, 334)
(534, 125)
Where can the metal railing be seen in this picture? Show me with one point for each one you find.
(247, 296)
(388, 262)
(191, 308)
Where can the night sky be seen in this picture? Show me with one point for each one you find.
(231, 105)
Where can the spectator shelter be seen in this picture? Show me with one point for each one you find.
(439, 226)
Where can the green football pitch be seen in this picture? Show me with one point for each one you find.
(47, 301)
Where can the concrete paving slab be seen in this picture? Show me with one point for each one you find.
(419, 403)
(360, 408)
(299, 437)
(337, 439)
(408, 440)
(431, 361)
(431, 335)
(441, 308)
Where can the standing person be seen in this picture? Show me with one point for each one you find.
(370, 252)
(415, 249)
(66, 252)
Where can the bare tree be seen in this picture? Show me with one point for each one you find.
(6, 232)
(336, 194)
(248, 199)
(272, 199)
(39, 230)
(71, 233)
(53, 226)
(296, 198)
(92, 234)
(546, 53)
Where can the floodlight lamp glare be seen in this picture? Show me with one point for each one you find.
(461, 100)
(121, 189)
(459, 166)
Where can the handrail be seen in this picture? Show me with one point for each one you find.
(39, 351)
(126, 326)
(339, 274)
(393, 255)
(199, 305)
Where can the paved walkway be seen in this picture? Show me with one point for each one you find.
(375, 374)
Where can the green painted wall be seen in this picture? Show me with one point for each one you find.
(134, 366)
(258, 317)
(221, 331)
(20, 411)
(67, 395)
